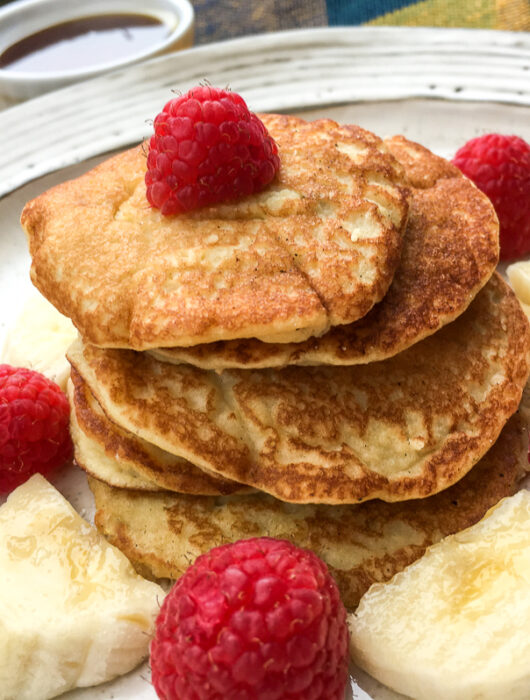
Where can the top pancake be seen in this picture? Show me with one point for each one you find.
(449, 252)
(317, 248)
(402, 428)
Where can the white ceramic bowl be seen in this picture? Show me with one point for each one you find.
(26, 17)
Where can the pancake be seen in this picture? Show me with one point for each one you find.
(403, 428)
(162, 534)
(121, 459)
(91, 457)
(317, 248)
(449, 252)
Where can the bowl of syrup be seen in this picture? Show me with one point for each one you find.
(47, 44)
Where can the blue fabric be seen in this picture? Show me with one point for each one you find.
(341, 12)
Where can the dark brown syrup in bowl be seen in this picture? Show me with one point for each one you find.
(84, 43)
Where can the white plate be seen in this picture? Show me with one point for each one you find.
(382, 78)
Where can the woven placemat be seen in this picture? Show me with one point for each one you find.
(222, 19)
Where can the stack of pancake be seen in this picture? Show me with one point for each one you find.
(333, 361)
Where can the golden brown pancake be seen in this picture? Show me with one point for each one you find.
(449, 252)
(162, 534)
(121, 459)
(317, 248)
(406, 427)
(92, 458)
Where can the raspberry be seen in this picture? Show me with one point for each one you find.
(34, 434)
(500, 167)
(259, 619)
(207, 148)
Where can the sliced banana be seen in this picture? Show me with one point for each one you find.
(73, 612)
(39, 340)
(456, 623)
(519, 276)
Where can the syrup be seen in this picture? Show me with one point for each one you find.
(84, 43)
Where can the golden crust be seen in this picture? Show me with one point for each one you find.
(121, 459)
(162, 534)
(449, 252)
(403, 428)
(318, 247)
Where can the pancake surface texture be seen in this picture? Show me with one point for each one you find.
(317, 248)
(111, 454)
(449, 252)
(163, 533)
(403, 428)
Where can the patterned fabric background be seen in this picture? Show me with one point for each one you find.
(221, 19)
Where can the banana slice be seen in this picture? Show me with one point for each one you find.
(73, 612)
(455, 624)
(519, 276)
(39, 340)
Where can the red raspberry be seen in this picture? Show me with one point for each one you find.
(259, 619)
(500, 167)
(207, 148)
(34, 434)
